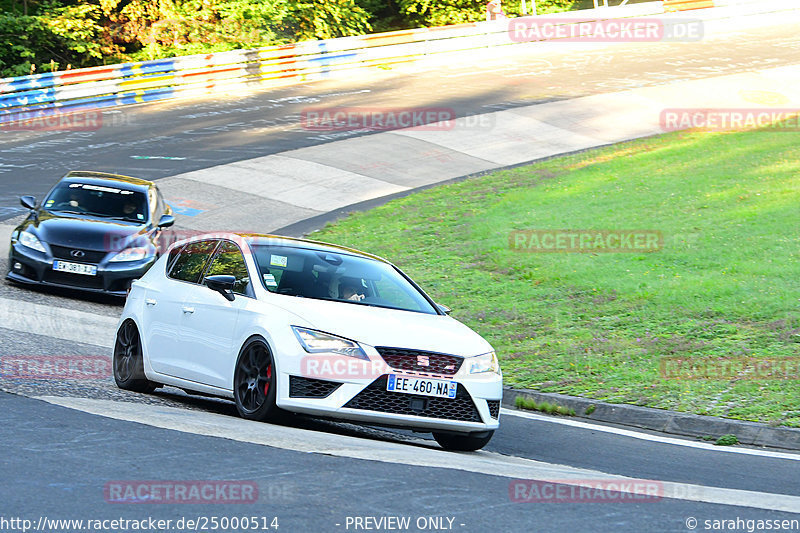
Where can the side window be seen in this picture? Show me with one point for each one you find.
(152, 200)
(192, 261)
(230, 261)
(173, 255)
(160, 205)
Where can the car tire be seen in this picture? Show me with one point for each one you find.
(127, 363)
(463, 442)
(255, 382)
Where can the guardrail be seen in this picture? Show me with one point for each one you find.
(161, 79)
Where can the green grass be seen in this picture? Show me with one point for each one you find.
(545, 407)
(725, 284)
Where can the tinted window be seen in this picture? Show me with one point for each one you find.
(160, 208)
(192, 261)
(336, 276)
(173, 255)
(229, 261)
(98, 200)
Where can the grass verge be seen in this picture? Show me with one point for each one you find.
(725, 286)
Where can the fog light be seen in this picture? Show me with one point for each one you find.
(17, 266)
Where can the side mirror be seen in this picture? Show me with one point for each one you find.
(223, 284)
(166, 221)
(444, 309)
(28, 202)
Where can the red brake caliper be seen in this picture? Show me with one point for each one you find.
(269, 376)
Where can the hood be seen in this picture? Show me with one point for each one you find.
(90, 234)
(378, 326)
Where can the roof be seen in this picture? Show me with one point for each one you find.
(308, 243)
(280, 240)
(98, 178)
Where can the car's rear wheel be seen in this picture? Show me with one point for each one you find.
(463, 442)
(255, 382)
(127, 362)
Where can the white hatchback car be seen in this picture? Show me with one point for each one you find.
(280, 324)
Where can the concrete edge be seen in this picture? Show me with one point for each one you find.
(664, 421)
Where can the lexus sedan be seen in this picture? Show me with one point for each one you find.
(93, 232)
(280, 324)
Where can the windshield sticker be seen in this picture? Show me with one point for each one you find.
(140, 216)
(49, 203)
(278, 260)
(98, 188)
(269, 279)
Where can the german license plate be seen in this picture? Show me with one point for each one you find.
(75, 268)
(438, 388)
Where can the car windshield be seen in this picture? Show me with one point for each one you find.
(340, 277)
(98, 200)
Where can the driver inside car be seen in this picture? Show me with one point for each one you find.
(352, 292)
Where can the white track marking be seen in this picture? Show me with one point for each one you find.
(58, 322)
(216, 425)
(650, 437)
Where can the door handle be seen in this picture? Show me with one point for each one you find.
(150, 301)
(189, 310)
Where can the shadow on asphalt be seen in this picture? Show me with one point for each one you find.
(298, 421)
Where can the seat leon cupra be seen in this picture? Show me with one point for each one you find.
(280, 324)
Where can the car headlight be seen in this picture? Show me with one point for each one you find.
(314, 341)
(131, 254)
(484, 363)
(30, 241)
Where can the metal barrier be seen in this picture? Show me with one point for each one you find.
(161, 79)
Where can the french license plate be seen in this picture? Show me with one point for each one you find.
(422, 386)
(75, 268)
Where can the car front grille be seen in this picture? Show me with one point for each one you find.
(421, 362)
(376, 398)
(311, 388)
(494, 408)
(89, 256)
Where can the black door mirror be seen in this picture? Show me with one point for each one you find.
(28, 202)
(444, 309)
(166, 221)
(223, 284)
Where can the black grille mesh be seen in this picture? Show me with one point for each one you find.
(89, 256)
(300, 387)
(408, 360)
(494, 408)
(376, 398)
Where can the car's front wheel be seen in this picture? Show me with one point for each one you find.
(463, 442)
(254, 382)
(127, 362)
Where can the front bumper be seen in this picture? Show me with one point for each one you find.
(36, 268)
(475, 408)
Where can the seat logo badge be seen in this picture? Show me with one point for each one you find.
(423, 360)
(77, 253)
